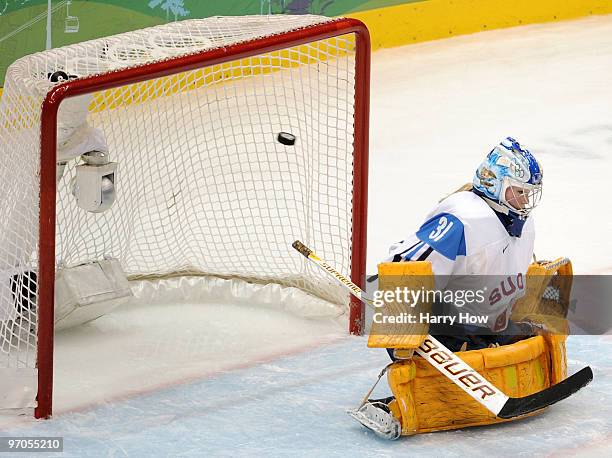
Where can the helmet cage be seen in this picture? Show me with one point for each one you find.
(523, 201)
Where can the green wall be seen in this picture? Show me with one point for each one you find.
(391, 22)
(107, 17)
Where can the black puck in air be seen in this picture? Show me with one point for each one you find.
(286, 138)
(58, 76)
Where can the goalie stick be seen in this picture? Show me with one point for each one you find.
(460, 373)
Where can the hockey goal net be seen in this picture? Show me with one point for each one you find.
(189, 115)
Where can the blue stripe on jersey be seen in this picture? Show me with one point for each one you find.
(397, 257)
(444, 233)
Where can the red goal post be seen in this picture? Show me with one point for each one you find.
(173, 66)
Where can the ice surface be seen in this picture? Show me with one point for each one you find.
(277, 385)
(294, 406)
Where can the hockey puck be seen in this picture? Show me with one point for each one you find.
(58, 77)
(286, 138)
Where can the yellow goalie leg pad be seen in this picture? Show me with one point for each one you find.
(556, 348)
(426, 401)
(386, 331)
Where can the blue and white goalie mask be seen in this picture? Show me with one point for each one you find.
(511, 177)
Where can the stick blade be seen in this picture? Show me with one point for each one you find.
(515, 407)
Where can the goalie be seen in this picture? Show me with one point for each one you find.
(483, 230)
(479, 237)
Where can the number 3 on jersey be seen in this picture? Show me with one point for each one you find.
(444, 225)
(444, 233)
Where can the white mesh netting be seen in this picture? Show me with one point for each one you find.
(202, 185)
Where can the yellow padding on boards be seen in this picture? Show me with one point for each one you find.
(315, 53)
(318, 53)
(415, 276)
(427, 401)
(435, 19)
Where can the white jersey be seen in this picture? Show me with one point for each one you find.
(464, 237)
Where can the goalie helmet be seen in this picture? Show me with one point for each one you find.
(510, 178)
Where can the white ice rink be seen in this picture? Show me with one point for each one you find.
(272, 384)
